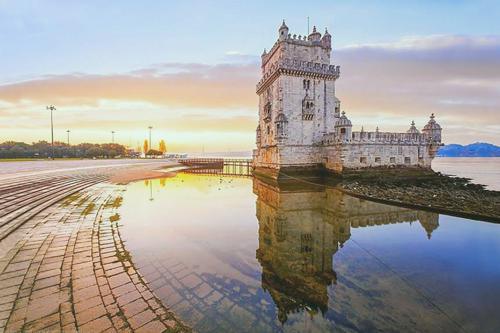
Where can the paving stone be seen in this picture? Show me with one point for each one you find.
(15, 281)
(84, 282)
(47, 282)
(70, 328)
(85, 293)
(141, 319)
(123, 289)
(114, 271)
(23, 265)
(5, 276)
(49, 273)
(67, 318)
(127, 298)
(5, 307)
(90, 314)
(43, 292)
(10, 299)
(152, 326)
(9, 291)
(134, 307)
(96, 326)
(17, 314)
(48, 267)
(14, 326)
(82, 273)
(88, 303)
(108, 299)
(40, 324)
(118, 280)
(42, 307)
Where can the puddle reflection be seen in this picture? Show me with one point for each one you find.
(296, 258)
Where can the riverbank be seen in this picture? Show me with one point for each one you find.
(430, 191)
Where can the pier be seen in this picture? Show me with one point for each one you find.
(218, 166)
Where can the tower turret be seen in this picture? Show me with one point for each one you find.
(433, 130)
(412, 129)
(283, 31)
(326, 41)
(314, 36)
(343, 128)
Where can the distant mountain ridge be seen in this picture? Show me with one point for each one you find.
(478, 149)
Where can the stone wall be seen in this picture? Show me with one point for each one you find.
(357, 155)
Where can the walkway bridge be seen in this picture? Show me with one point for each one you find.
(218, 166)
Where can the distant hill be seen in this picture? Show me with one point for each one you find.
(478, 149)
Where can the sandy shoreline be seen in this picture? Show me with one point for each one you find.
(127, 175)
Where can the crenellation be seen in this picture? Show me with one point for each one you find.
(300, 123)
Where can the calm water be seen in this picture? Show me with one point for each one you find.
(237, 254)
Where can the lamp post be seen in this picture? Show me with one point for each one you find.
(67, 131)
(112, 136)
(150, 144)
(51, 108)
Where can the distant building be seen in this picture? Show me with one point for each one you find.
(302, 127)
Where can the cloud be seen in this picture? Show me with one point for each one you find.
(456, 77)
(389, 84)
(179, 85)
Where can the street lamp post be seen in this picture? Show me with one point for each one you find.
(67, 131)
(112, 136)
(150, 143)
(51, 108)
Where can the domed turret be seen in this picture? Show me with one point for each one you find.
(343, 121)
(283, 31)
(413, 129)
(314, 36)
(326, 41)
(432, 129)
(343, 128)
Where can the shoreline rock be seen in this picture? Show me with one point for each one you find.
(430, 191)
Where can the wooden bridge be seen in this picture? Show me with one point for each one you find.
(218, 166)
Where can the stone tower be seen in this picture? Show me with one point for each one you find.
(301, 128)
(297, 103)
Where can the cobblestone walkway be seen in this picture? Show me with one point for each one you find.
(64, 268)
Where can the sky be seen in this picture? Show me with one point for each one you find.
(189, 68)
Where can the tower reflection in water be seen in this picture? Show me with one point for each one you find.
(301, 227)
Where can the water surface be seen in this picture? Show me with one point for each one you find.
(237, 254)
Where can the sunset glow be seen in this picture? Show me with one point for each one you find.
(195, 84)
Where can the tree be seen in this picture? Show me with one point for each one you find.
(163, 147)
(154, 152)
(145, 147)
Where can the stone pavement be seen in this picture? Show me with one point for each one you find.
(65, 268)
